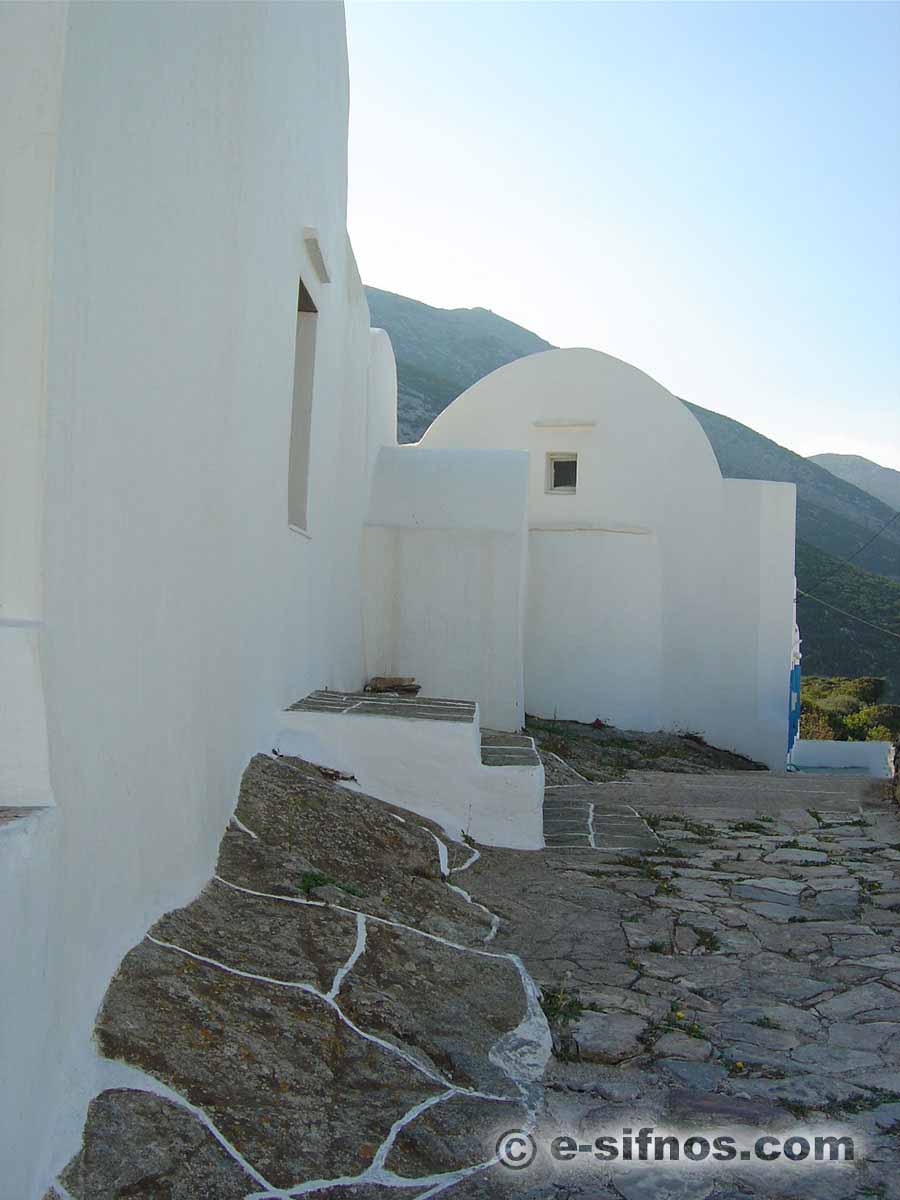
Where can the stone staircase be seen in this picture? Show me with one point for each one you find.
(426, 754)
(508, 750)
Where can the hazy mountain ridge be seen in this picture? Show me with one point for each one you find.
(441, 352)
(832, 514)
(881, 482)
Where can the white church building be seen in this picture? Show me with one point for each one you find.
(205, 516)
(658, 595)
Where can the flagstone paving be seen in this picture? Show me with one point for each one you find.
(579, 814)
(337, 1016)
(742, 972)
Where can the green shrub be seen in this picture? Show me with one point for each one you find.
(887, 715)
(880, 733)
(814, 725)
(840, 703)
(843, 709)
(884, 717)
(867, 688)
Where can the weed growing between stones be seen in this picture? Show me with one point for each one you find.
(310, 880)
(707, 940)
(560, 1005)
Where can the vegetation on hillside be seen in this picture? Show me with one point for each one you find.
(847, 710)
(835, 644)
(601, 752)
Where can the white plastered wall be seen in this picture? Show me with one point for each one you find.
(32, 50)
(870, 758)
(627, 605)
(173, 157)
(591, 595)
(430, 767)
(756, 624)
(443, 597)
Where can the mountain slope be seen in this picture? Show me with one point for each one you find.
(441, 352)
(834, 644)
(832, 514)
(881, 482)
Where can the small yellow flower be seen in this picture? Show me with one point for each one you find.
(679, 1016)
(739, 1065)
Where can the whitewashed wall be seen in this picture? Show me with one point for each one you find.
(172, 157)
(628, 609)
(444, 587)
(872, 758)
(32, 48)
(757, 621)
(591, 595)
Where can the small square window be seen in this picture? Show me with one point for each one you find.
(562, 472)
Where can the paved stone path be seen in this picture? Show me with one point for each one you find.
(579, 814)
(743, 972)
(337, 1016)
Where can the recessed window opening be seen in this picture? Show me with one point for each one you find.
(562, 473)
(301, 411)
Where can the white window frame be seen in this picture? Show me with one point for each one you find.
(555, 457)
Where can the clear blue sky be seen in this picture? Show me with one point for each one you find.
(709, 191)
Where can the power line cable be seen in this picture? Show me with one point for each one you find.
(856, 553)
(852, 616)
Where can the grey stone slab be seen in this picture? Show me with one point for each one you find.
(782, 914)
(509, 758)
(679, 1045)
(762, 888)
(887, 1116)
(722, 1109)
(809, 1089)
(372, 704)
(834, 1060)
(867, 998)
(652, 1184)
(794, 937)
(865, 946)
(813, 857)
(605, 998)
(844, 883)
(698, 1076)
(787, 1016)
(885, 1080)
(868, 1035)
(608, 1037)
(759, 1056)
(757, 1035)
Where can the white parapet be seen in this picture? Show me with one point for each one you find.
(874, 758)
(431, 767)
